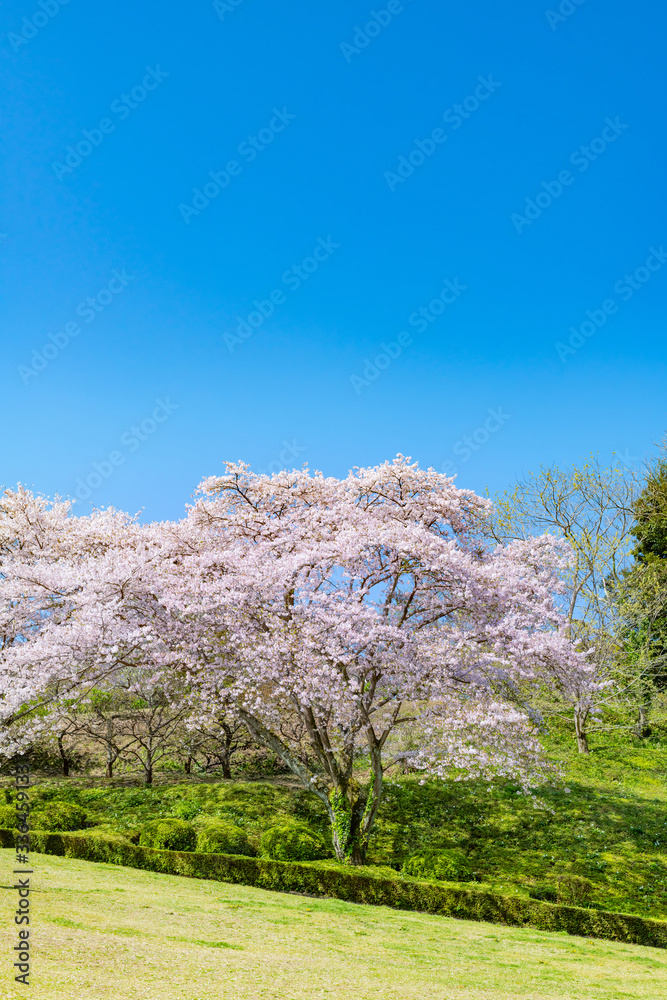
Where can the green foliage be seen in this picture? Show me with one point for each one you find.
(544, 892)
(256, 762)
(343, 882)
(44, 757)
(643, 599)
(574, 890)
(188, 808)
(448, 865)
(651, 513)
(292, 842)
(342, 823)
(218, 837)
(7, 817)
(58, 816)
(169, 835)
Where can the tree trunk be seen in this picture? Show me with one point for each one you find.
(188, 765)
(580, 718)
(642, 728)
(353, 812)
(226, 755)
(352, 816)
(111, 756)
(148, 766)
(63, 756)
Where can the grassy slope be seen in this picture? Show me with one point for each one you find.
(611, 826)
(160, 937)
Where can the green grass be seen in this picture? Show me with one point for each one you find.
(607, 821)
(101, 932)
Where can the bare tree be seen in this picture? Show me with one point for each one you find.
(214, 744)
(591, 507)
(63, 741)
(149, 725)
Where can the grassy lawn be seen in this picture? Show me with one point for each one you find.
(106, 933)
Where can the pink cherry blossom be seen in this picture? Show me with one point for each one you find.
(329, 615)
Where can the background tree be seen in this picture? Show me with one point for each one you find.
(643, 596)
(591, 507)
(212, 745)
(151, 726)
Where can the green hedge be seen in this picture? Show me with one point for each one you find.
(356, 887)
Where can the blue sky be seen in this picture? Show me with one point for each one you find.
(216, 219)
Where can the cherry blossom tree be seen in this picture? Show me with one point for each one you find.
(63, 608)
(326, 615)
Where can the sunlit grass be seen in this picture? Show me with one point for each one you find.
(106, 933)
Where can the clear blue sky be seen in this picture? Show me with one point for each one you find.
(305, 120)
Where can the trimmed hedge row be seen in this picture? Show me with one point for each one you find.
(355, 887)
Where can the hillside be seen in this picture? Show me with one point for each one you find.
(606, 822)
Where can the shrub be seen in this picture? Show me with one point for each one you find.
(574, 890)
(546, 893)
(292, 842)
(7, 817)
(217, 837)
(45, 758)
(448, 865)
(169, 835)
(58, 816)
(258, 762)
